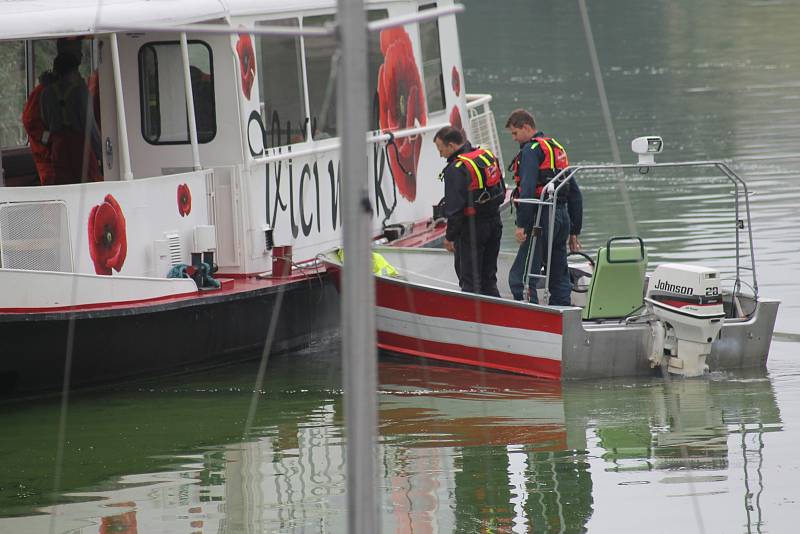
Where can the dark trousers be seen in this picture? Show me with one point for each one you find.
(476, 251)
(560, 285)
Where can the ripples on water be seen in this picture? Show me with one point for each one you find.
(460, 451)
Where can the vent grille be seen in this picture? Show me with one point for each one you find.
(175, 249)
(34, 236)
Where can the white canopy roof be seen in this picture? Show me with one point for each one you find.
(32, 19)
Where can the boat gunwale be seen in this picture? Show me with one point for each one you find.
(553, 310)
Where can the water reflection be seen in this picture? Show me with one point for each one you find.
(460, 451)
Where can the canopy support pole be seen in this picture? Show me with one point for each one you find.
(122, 124)
(187, 85)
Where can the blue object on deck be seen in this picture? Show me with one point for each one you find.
(202, 276)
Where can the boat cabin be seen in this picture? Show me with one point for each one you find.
(213, 141)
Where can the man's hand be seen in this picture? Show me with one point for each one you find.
(574, 243)
(520, 235)
(449, 245)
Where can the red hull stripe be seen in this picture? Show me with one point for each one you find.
(463, 307)
(450, 352)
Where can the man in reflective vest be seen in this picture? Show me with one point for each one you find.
(473, 192)
(540, 158)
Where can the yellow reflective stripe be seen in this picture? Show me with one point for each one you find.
(485, 160)
(458, 164)
(475, 168)
(556, 143)
(550, 149)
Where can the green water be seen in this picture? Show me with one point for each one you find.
(468, 451)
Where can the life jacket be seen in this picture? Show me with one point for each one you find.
(484, 176)
(54, 104)
(555, 160)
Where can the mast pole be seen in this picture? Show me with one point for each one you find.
(359, 351)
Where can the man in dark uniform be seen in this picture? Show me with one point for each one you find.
(473, 193)
(540, 158)
(73, 138)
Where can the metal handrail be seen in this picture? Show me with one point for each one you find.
(563, 177)
(477, 100)
(320, 144)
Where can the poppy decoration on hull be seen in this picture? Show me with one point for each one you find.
(402, 105)
(455, 118)
(184, 200)
(108, 242)
(247, 63)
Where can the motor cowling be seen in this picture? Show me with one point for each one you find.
(686, 301)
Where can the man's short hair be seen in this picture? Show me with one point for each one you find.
(519, 118)
(449, 134)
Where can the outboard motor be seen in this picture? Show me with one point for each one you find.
(687, 303)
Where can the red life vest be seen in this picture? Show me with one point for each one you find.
(555, 160)
(484, 176)
(36, 130)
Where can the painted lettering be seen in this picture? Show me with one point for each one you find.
(336, 186)
(306, 225)
(305, 213)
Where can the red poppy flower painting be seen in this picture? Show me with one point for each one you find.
(455, 118)
(456, 81)
(184, 200)
(247, 63)
(402, 105)
(108, 244)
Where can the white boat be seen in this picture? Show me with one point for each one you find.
(252, 176)
(624, 321)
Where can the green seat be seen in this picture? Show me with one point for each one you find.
(617, 285)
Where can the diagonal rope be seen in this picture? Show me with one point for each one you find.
(262, 366)
(612, 136)
(670, 396)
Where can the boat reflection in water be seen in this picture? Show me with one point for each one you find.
(461, 451)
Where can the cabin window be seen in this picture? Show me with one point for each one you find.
(13, 93)
(163, 97)
(280, 82)
(322, 86)
(432, 62)
(321, 79)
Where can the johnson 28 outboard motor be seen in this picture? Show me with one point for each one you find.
(687, 303)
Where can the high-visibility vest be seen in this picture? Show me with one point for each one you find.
(555, 160)
(484, 176)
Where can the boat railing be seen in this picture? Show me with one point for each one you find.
(278, 154)
(482, 124)
(563, 178)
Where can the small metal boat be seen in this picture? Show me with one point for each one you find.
(624, 321)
